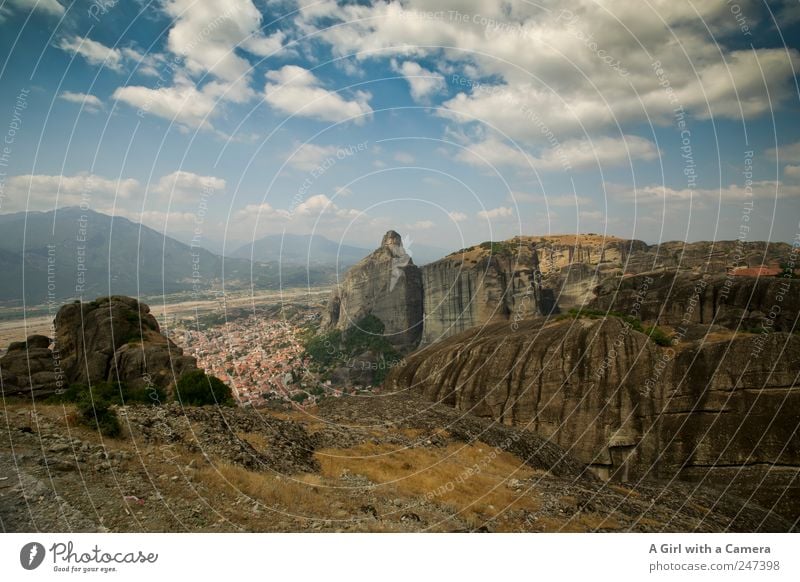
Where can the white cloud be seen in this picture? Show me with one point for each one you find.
(564, 200)
(51, 7)
(786, 153)
(207, 37)
(764, 189)
(589, 71)
(572, 154)
(207, 40)
(316, 214)
(90, 103)
(94, 52)
(309, 156)
(47, 192)
(792, 172)
(182, 186)
(421, 225)
(183, 102)
(404, 158)
(422, 83)
(456, 216)
(496, 213)
(296, 91)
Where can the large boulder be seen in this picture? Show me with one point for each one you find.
(107, 340)
(29, 368)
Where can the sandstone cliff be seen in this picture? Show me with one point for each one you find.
(682, 298)
(386, 284)
(721, 410)
(525, 276)
(111, 339)
(475, 286)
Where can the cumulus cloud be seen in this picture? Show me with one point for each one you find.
(792, 172)
(308, 156)
(90, 103)
(182, 186)
(208, 42)
(421, 225)
(47, 192)
(786, 153)
(496, 213)
(572, 154)
(456, 216)
(422, 83)
(95, 53)
(586, 68)
(404, 158)
(762, 189)
(549, 199)
(183, 102)
(51, 7)
(207, 37)
(318, 213)
(295, 90)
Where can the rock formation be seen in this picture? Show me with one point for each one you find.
(475, 286)
(682, 298)
(720, 410)
(29, 368)
(386, 284)
(110, 339)
(525, 276)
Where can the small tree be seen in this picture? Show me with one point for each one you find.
(196, 388)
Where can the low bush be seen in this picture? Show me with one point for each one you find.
(196, 388)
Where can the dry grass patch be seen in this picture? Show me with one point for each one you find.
(299, 494)
(471, 479)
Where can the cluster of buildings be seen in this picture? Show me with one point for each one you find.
(259, 357)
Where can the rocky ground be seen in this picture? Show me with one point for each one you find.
(382, 463)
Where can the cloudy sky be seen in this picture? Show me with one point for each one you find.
(451, 121)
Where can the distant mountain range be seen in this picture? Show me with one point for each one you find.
(315, 249)
(67, 253)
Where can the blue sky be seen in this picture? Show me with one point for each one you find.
(452, 122)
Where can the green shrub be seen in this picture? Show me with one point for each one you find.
(96, 412)
(117, 393)
(659, 336)
(196, 388)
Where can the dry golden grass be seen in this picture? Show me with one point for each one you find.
(301, 495)
(471, 479)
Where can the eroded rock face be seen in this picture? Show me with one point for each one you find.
(680, 298)
(574, 266)
(386, 284)
(110, 339)
(721, 409)
(29, 367)
(478, 286)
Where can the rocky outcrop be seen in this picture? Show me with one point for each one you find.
(386, 284)
(525, 276)
(682, 298)
(29, 368)
(722, 409)
(574, 266)
(479, 285)
(107, 340)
